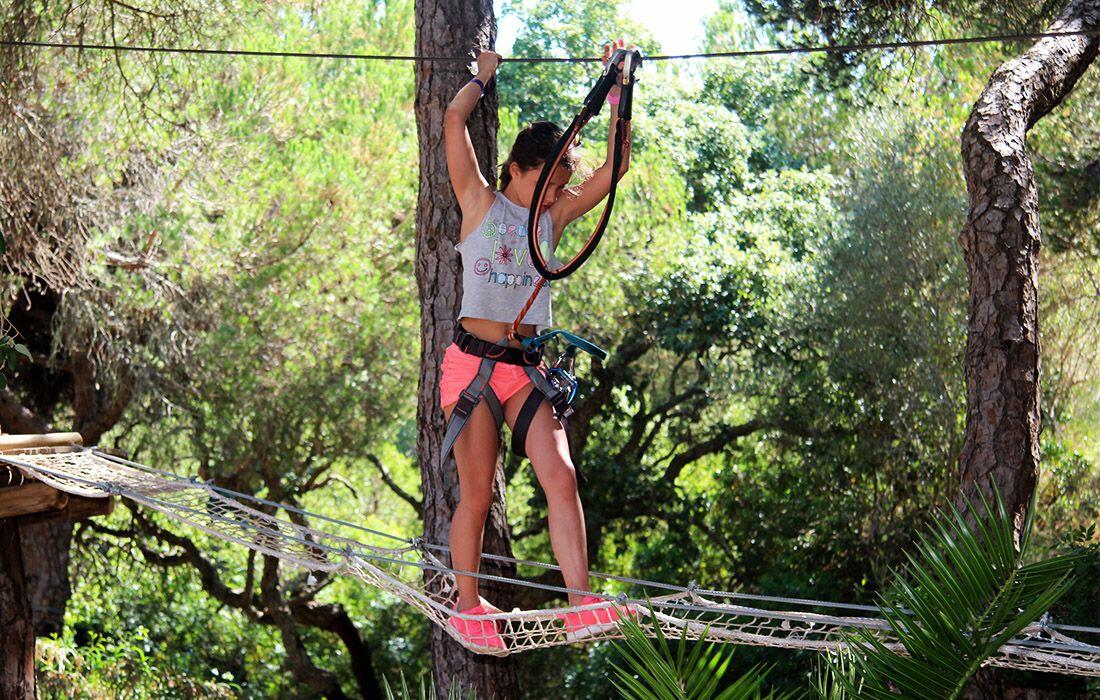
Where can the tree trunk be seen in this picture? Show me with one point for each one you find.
(451, 28)
(1000, 241)
(16, 623)
(46, 545)
(46, 563)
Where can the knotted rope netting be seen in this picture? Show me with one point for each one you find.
(415, 572)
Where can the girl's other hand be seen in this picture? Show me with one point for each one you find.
(608, 49)
(611, 47)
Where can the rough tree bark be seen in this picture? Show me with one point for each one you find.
(16, 624)
(451, 28)
(17, 604)
(1000, 241)
(45, 545)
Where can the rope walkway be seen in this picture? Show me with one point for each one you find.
(742, 53)
(411, 570)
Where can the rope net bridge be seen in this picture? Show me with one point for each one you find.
(411, 570)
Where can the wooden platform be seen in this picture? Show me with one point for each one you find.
(28, 501)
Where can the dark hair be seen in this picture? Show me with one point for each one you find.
(532, 148)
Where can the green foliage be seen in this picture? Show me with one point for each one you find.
(761, 91)
(1079, 604)
(782, 256)
(426, 691)
(708, 145)
(966, 591)
(1068, 494)
(128, 667)
(874, 21)
(657, 670)
(276, 266)
(562, 28)
(10, 353)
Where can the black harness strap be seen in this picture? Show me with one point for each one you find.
(523, 423)
(558, 399)
(469, 343)
(490, 353)
(612, 75)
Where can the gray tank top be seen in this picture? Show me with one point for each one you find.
(497, 274)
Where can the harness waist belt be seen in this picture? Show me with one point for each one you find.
(471, 344)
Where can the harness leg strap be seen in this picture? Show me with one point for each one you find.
(467, 402)
(495, 408)
(523, 422)
(523, 425)
(543, 390)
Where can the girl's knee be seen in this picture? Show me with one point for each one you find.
(560, 479)
(476, 506)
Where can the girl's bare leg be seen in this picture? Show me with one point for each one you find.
(476, 456)
(548, 450)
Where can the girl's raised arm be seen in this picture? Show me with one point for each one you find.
(466, 178)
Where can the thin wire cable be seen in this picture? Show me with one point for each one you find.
(1076, 628)
(347, 551)
(879, 45)
(766, 51)
(806, 602)
(238, 494)
(740, 611)
(140, 497)
(486, 556)
(445, 548)
(370, 556)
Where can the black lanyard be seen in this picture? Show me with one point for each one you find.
(612, 75)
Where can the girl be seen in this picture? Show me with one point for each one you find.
(498, 278)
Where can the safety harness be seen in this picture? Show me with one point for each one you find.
(556, 384)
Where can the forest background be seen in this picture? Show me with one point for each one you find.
(229, 275)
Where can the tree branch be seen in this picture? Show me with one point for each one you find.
(297, 658)
(413, 501)
(189, 553)
(95, 411)
(716, 443)
(329, 617)
(17, 418)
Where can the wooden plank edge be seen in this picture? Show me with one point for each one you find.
(78, 508)
(9, 442)
(30, 498)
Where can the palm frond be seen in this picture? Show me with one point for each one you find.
(964, 592)
(657, 670)
(833, 667)
(426, 691)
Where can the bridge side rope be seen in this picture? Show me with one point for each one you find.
(409, 569)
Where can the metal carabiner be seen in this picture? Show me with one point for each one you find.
(627, 73)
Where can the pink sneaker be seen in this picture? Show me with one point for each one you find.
(479, 635)
(581, 624)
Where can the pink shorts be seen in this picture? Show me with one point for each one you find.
(460, 368)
